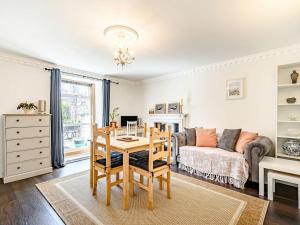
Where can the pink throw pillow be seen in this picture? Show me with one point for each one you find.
(245, 138)
(206, 137)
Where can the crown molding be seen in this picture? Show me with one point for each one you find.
(25, 60)
(121, 80)
(38, 63)
(228, 63)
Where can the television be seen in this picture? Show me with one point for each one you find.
(124, 120)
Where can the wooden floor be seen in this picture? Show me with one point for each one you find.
(22, 204)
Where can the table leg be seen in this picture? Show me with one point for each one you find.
(91, 165)
(125, 180)
(261, 181)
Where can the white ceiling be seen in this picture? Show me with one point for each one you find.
(175, 35)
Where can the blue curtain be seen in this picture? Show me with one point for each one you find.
(57, 141)
(106, 102)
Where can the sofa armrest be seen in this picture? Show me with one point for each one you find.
(254, 152)
(178, 140)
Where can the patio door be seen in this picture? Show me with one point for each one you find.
(77, 104)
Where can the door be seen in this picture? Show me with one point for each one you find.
(77, 104)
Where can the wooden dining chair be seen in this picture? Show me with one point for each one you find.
(132, 128)
(153, 166)
(104, 161)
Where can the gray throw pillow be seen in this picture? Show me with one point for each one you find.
(229, 138)
(190, 134)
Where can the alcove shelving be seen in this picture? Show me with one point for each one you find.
(288, 114)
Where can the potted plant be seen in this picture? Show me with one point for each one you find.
(113, 115)
(27, 107)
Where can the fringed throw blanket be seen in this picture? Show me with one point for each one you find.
(215, 164)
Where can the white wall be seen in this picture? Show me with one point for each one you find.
(128, 96)
(19, 83)
(203, 90)
(24, 82)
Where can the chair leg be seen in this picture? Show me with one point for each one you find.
(161, 184)
(141, 179)
(150, 193)
(95, 180)
(117, 176)
(131, 183)
(108, 182)
(169, 184)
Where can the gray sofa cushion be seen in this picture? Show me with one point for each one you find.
(229, 138)
(190, 134)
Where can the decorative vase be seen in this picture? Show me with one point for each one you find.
(291, 100)
(294, 77)
(113, 124)
(291, 147)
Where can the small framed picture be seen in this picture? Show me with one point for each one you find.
(160, 109)
(174, 108)
(235, 89)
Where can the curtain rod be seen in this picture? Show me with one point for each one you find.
(83, 76)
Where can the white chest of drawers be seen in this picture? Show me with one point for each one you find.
(26, 146)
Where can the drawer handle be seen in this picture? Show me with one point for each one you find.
(18, 156)
(41, 152)
(18, 168)
(18, 144)
(41, 163)
(40, 131)
(41, 141)
(40, 120)
(18, 132)
(17, 120)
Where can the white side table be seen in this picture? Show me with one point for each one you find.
(272, 176)
(276, 164)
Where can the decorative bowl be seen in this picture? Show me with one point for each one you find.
(291, 100)
(291, 147)
(78, 142)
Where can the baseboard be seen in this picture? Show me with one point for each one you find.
(27, 175)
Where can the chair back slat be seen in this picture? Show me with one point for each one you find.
(99, 150)
(159, 153)
(147, 130)
(100, 153)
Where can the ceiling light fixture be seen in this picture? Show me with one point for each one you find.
(122, 38)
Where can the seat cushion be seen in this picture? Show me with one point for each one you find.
(144, 163)
(115, 154)
(115, 161)
(139, 155)
(215, 163)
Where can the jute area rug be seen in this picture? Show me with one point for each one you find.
(193, 202)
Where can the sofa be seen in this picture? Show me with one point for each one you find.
(218, 164)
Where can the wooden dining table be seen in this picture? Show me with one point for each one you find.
(124, 147)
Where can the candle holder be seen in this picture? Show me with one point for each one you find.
(42, 106)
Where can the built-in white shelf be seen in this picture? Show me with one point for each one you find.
(288, 156)
(287, 136)
(289, 104)
(288, 85)
(285, 89)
